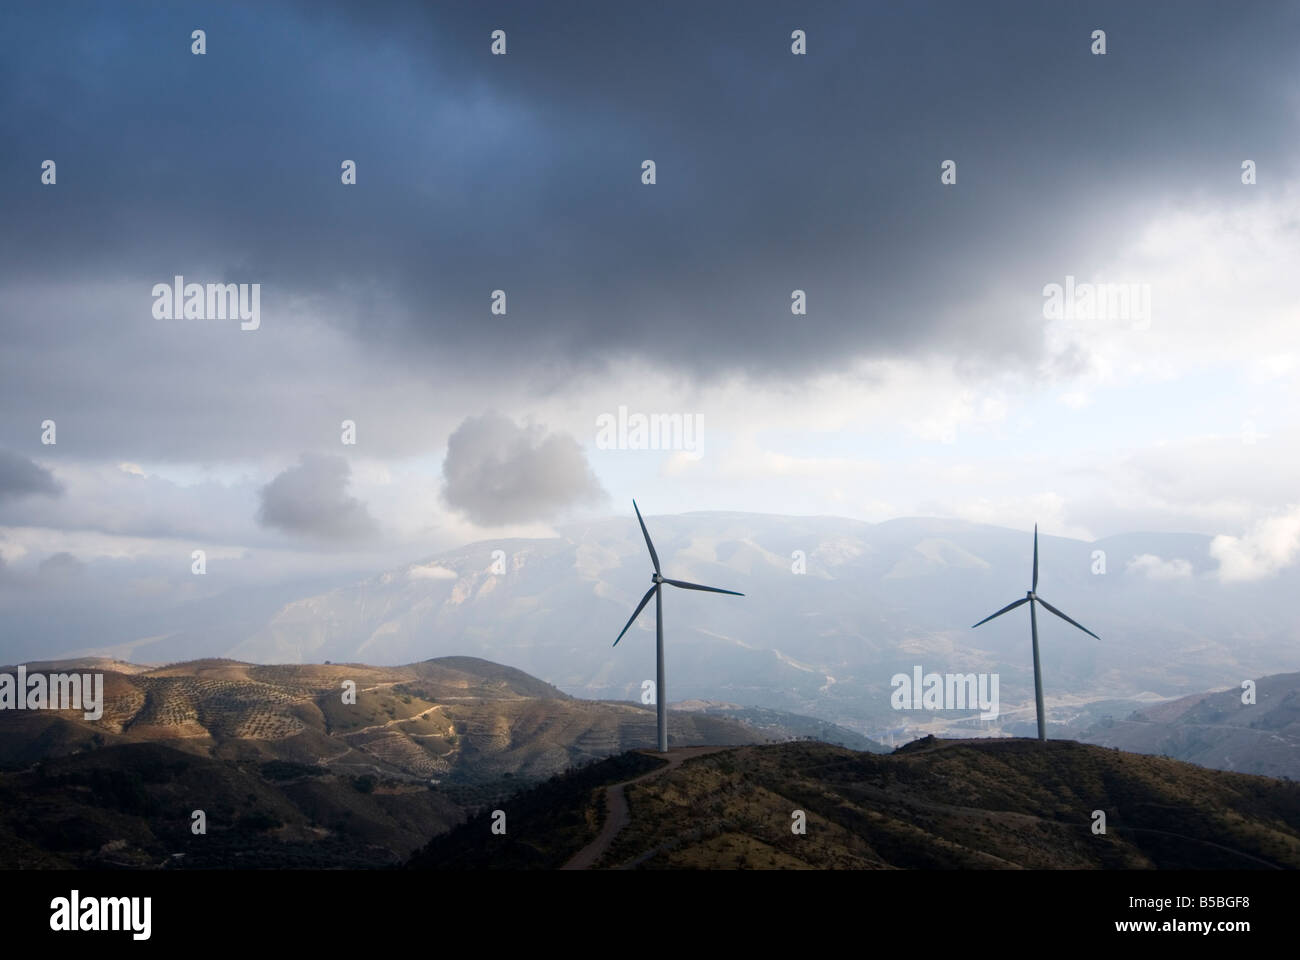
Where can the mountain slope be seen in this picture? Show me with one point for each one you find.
(459, 719)
(986, 804)
(132, 805)
(1217, 730)
(287, 771)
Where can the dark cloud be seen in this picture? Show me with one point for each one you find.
(522, 172)
(22, 477)
(498, 473)
(311, 499)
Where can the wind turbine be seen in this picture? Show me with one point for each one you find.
(1032, 598)
(657, 580)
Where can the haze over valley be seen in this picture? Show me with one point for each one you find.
(874, 600)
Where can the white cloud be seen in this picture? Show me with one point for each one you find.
(1222, 296)
(1271, 545)
(1155, 568)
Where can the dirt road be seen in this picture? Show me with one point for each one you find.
(616, 815)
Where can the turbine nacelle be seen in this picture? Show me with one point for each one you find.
(656, 578)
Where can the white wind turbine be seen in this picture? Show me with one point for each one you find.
(657, 580)
(1033, 598)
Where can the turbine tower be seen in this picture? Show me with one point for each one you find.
(657, 580)
(1033, 598)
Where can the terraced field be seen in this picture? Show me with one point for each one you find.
(290, 771)
(454, 719)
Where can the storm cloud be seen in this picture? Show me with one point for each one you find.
(522, 173)
(498, 473)
(925, 377)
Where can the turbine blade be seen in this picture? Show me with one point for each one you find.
(695, 586)
(1009, 606)
(1035, 586)
(654, 557)
(1067, 619)
(639, 607)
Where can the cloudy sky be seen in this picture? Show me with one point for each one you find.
(925, 378)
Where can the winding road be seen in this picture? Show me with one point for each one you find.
(616, 813)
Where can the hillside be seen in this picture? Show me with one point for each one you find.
(131, 806)
(782, 725)
(287, 772)
(980, 804)
(455, 719)
(545, 824)
(1217, 730)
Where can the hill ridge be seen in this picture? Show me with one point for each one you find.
(987, 804)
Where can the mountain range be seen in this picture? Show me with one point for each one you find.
(289, 769)
(833, 609)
